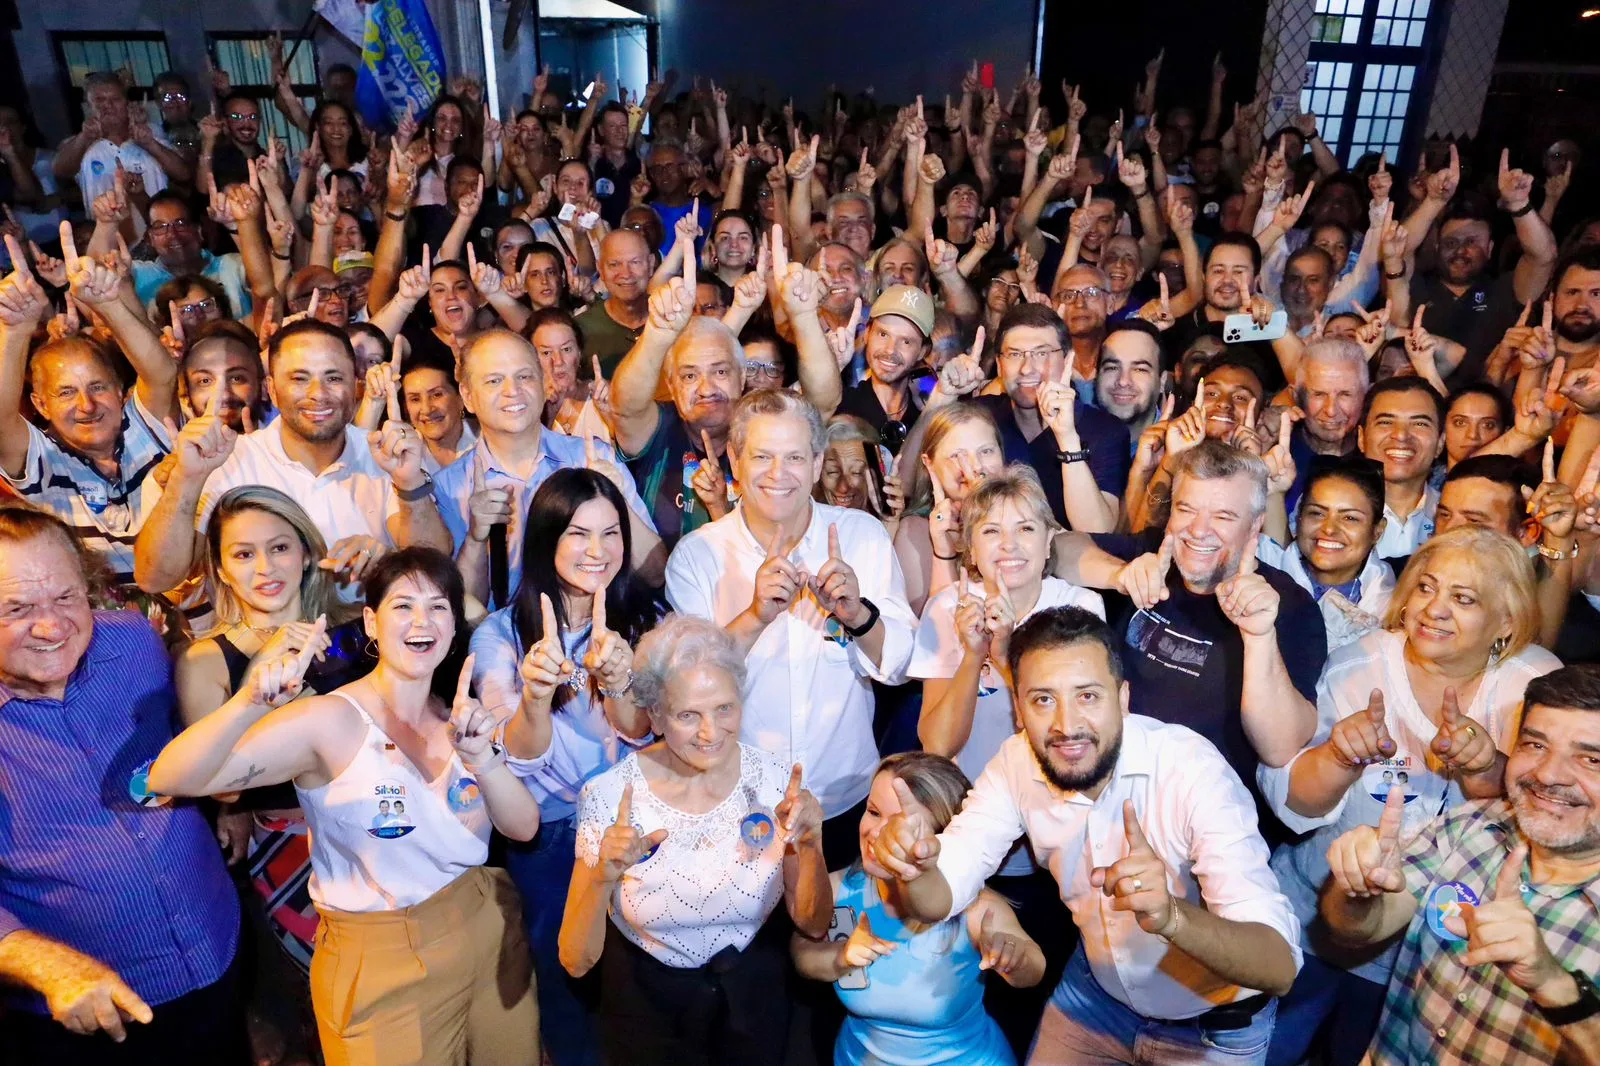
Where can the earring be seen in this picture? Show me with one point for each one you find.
(371, 648)
(1498, 648)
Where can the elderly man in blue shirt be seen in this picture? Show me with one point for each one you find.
(117, 917)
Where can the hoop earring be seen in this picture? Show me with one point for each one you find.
(371, 648)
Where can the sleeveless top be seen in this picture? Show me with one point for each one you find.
(923, 1003)
(345, 661)
(382, 837)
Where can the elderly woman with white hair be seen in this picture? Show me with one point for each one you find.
(684, 850)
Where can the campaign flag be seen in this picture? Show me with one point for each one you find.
(347, 17)
(401, 60)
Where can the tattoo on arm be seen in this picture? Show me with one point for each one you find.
(243, 781)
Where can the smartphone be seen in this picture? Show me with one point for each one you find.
(839, 930)
(986, 75)
(588, 90)
(874, 469)
(570, 211)
(1240, 329)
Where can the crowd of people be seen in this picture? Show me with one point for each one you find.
(1090, 583)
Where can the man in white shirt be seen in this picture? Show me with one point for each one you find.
(1186, 938)
(814, 596)
(1403, 428)
(114, 134)
(365, 492)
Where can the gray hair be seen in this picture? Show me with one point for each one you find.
(681, 642)
(1212, 460)
(1333, 351)
(703, 328)
(775, 402)
(850, 197)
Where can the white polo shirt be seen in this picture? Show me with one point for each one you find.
(808, 692)
(98, 172)
(1195, 813)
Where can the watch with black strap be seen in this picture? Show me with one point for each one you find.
(1079, 456)
(421, 492)
(1586, 1006)
(866, 627)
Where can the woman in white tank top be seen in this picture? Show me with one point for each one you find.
(400, 784)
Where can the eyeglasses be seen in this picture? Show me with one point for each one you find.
(760, 368)
(325, 293)
(1037, 355)
(851, 223)
(194, 310)
(1088, 292)
(1456, 244)
(174, 98)
(177, 225)
(237, 117)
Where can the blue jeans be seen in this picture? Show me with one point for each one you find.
(542, 870)
(1085, 1026)
(1323, 993)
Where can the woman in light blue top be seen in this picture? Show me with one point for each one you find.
(556, 668)
(915, 993)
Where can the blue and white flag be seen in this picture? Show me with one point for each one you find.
(401, 60)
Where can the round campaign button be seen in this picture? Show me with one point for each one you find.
(464, 795)
(757, 828)
(604, 186)
(1378, 778)
(1444, 901)
(389, 818)
(139, 787)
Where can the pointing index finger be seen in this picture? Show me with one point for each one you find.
(547, 614)
(625, 805)
(1135, 832)
(464, 682)
(1508, 884)
(833, 542)
(393, 401)
(1549, 459)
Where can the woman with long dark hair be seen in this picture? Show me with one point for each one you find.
(448, 129)
(419, 955)
(557, 667)
(574, 189)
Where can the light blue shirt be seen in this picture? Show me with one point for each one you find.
(226, 270)
(452, 488)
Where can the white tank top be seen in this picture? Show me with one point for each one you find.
(382, 838)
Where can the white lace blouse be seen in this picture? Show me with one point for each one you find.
(717, 876)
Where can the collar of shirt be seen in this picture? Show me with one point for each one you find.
(355, 442)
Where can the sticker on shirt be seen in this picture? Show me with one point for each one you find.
(1444, 901)
(1155, 637)
(757, 829)
(464, 795)
(1380, 777)
(139, 787)
(389, 818)
(604, 187)
(97, 167)
(988, 680)
(835, 632)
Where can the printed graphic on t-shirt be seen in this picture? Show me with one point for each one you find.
(389, 818)
(1154, 636)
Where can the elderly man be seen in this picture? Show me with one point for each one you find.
(611, 326)
(114, 140)
(666, 444)
(1497, 901)
(1212, 639)
(1152, 840)
(1330, 388)
(365, 492)
(1081, 297)
(118, 922)
(814, 596)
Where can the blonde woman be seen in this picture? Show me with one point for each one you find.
(1427, 706)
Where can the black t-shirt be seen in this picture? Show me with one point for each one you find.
(1476, 319)
(663, 471)
(425, 343)
(431, 224)
(1184, 660)
(611, 184)
(861, 401)
(229, 164)
(1102, 434)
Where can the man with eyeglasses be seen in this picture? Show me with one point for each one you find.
(899, 337)
(240, 141)
(171, 92)
(175, 236)
(1082, 298)
(670, 199)
(333, 299)
(113, 134)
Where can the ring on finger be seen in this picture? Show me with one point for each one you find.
(1472, 732)
(1138, 885)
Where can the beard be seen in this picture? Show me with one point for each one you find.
(1542, 828)
(1578, 328)
(1104, 763)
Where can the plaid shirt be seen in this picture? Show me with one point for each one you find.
(1440, 1011)
(104, 512)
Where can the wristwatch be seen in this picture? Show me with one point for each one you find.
(1519, 212)
(1558, 554)
(1586, 1006)
(421, 492)
(1079, 456)
(866, 627)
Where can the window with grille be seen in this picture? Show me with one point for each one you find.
(1363, 75)
(78, 55)
(247, 60)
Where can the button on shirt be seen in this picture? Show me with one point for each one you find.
(141, 888)
(808, 693)
(1440, 1010)
(105, 512)
(1195, 813)
(452, 488)
(1403, 536)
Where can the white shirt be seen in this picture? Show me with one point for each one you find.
(1344, 621)
(1377, 661)
(97, 173)
(1197, 816)
(1403, 536)
(808, 690)
(717, 876)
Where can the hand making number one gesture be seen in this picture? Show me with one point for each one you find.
(623, 844)
(1137, 882)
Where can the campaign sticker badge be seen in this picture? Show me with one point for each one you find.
(757, 829)
(988, 683)
(390, 821)
(1378, 778)
(604, 187)
(835, 632)
(139, 787)
(464, 795)
(1444, 901)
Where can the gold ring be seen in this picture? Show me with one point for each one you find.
(1472, 731)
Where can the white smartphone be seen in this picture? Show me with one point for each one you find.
(839, 930)
(569, 212)
(1239, 329)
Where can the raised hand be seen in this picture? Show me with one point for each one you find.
(776, 583)
(486, 507)
(708, 484)
(1056, 402)
(1365, 861)
(279, 680)
(906, 845)
(1442, 184)
(545, 667)
(836, 586)
(799, 814)
(964, 374)
(1144, 580)
(1247, 599)
(1516, 186)
(1281, 469)
(1502, 931)
(472, 726)
(609, 659)
(1137, 882)
(1381, 183)
(22, 300)
(204, 443)
(622, 845)
(1188, 429)
(486, 277)
(999, 617)
(1463, 745)
(1362, 739)
(349, 558)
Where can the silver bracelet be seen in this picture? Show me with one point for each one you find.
(617, 693)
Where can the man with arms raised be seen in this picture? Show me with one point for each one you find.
(1152, 840)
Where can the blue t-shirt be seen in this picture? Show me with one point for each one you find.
(669, 220)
